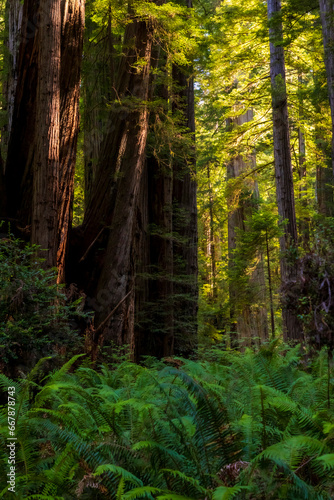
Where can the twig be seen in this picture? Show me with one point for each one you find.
(112, 312)
(91, 245)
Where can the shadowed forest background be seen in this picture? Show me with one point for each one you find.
(167, 248)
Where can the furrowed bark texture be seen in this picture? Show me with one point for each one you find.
(212, 244)
(282, 155)
(46, 160)
(123, 154)
(99, 86)
(155, 312)
(73, 22)
(14, 13)
(327, 21)
(14, 10)
(21, 142)
(154, 300)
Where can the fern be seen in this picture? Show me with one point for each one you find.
(159, 432)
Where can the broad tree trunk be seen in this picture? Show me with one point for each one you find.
(123, 155)
(73, 22)
(46, 159)
(45, 124)
(283, 168)
(154, 281)
(154, 300)
(327, 21)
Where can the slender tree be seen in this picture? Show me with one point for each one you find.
(185, 218)
(73, 22)
(283, 167)
(22, 138)
(303, 224)
(14, 16)
(327, 21)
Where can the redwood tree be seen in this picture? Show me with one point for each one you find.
(46, 159)
(283, 167)
(73, 22)
(115, 192)
(185, 216)
(327, 21)
(45, 123)
(248, 322)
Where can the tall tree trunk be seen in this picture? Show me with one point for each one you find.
(124, 155)
(327, 21)
(324, 177)
(99, 86)
(154, 300)
(14, 10)
(236, 220)
(73, 22)
(283, 168)
(46, 160)
(3, 200)
(248, 321)
(46, 123)
(324, 190)
(185, 219)
(303, 225)
(14, 16)
(212, 247)
(155, 312)
(270, 289)
(21, 142)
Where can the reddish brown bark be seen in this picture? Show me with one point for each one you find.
(46, 158)
(73, 21)
(46, 122)
(115, 144)
(123, 154)
(154, 335)
(21, 144)
(212, 245)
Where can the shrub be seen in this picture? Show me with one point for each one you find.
(35, 316)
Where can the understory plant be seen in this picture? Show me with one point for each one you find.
(252, 425)
(36, 317)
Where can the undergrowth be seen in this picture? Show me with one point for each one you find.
(252, 425)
